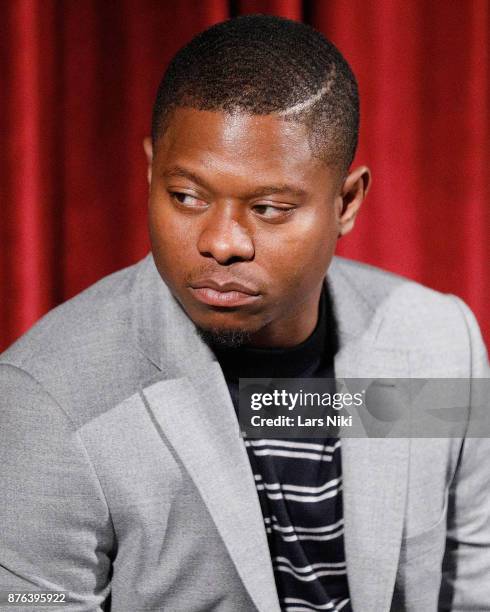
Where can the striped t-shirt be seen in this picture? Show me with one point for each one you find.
(298, 481)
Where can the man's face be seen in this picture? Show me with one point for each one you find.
(243, 223)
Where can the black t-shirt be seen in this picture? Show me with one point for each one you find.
(298, 481)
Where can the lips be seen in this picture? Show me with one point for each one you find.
(224, 293)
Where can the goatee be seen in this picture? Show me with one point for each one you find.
(224, 338)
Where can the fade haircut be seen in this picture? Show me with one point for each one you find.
(267, 65)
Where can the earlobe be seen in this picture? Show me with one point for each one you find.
(354, 190)
(148, 148)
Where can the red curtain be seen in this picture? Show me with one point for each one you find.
(77, 85)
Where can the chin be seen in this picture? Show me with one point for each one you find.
(224, 337)
(237, 320)
(224, 330)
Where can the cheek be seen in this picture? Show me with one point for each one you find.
(170, 237)
(168, 243)
(300, 254)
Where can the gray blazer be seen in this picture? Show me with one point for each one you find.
(123, 474)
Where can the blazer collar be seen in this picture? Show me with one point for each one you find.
(190, 401)
(162, 330)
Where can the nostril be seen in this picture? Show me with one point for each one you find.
(224, 260)
(232, 260)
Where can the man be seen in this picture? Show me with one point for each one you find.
(125, 481)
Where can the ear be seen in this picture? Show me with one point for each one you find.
(148, 148)
(353, 191)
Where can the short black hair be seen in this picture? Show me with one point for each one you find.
(263, 65)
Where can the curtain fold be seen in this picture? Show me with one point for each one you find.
(77, 82)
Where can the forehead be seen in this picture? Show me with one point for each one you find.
(259, 147)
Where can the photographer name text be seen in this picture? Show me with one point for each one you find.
(284, 400)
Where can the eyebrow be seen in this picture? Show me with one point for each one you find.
(260, 191)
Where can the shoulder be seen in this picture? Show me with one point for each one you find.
(83, 352)
(402, 314)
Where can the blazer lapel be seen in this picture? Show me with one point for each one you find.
(193, 410)
(198, 419)
(375, 472)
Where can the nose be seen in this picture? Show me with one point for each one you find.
(225, 238)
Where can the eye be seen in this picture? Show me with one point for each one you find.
(272, 213)
(187, 200)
